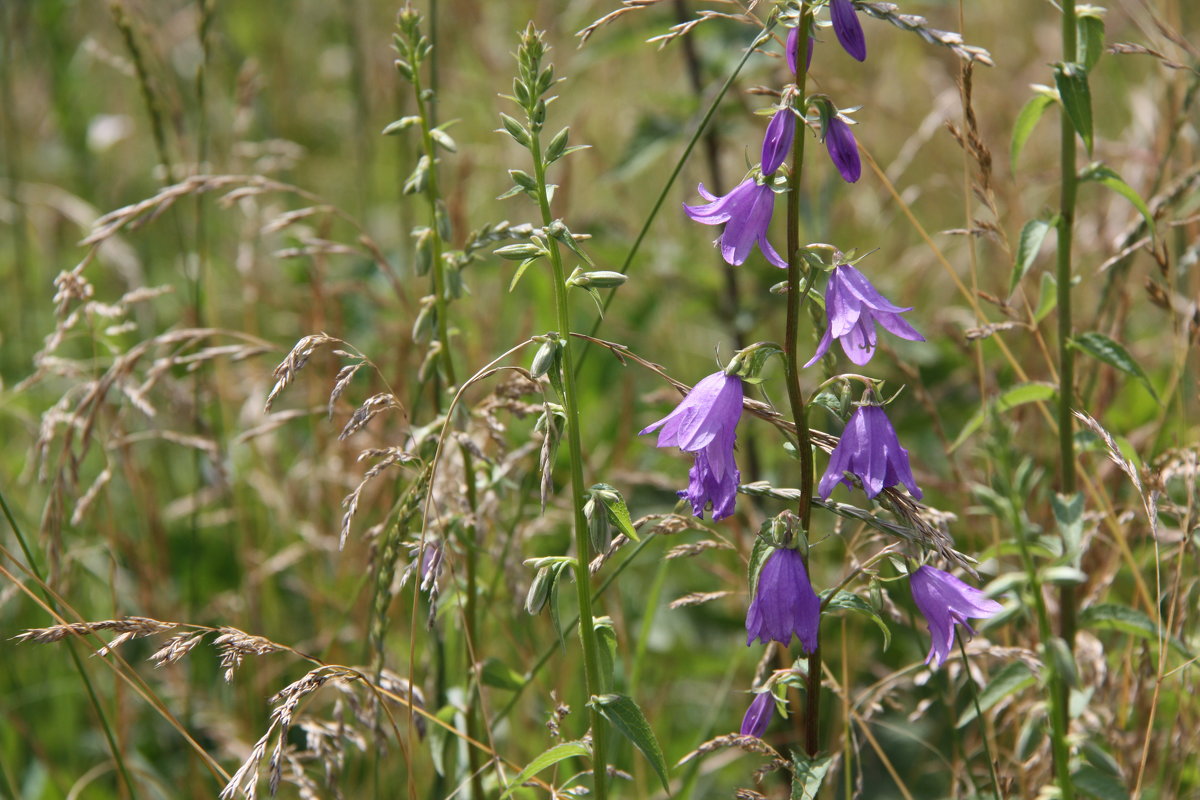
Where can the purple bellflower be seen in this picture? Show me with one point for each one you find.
(946, 601)
(784, 603)
(746, 212)
(843, 149)
(848, 29)
(758, 715)
(853, 306)
(704, 423)
(792, 50)
(870, 451)
(778, 141)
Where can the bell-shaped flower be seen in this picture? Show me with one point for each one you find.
(758, 715)
(843, 149)
(778, 141)
(870, 451)
(792, 50)
(784, 603)
(848, 29)
(705, 423)
(852, 307)
(746, 213)
(945, 601)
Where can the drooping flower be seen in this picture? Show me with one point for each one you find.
(843, 149)
(792, 50)
(853, 306)
(848, 29)
(945, 601)
(758, 715)
(746, 212)
(784, 603)
(870, 451)
(778, 140)
(705, 423)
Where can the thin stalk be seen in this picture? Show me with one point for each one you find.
(472, 622)
(1060, 701)
(987, 745)
(591, 660)
(437, 269)
(812, 716)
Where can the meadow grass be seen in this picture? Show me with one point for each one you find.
(255, 533)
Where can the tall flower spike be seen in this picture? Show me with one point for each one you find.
(843, 149)
(705, 423)
(945, 601)
(778, 141)
(758, 715)
(853, 306)
(870, 451)
(784, 603)
(848, 29)
(746, 212)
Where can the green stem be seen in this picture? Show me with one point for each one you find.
(812, 716)
(437, 268)
(1066, 390)
(472, 622)
(591, 660)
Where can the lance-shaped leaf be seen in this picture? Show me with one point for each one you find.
(626, 717)
(560, 752)
(1032, 237)
(808, 775)
(1027, 120)
(1072, 82)
(1101, 174)
(1099, 346)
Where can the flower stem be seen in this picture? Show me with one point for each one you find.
(1060, 701)
(587, 632)
(812, 717)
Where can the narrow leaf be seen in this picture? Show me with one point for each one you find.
(1100, 785)
(1072, 82)
(1099, 346)
(848, 601)
(1068, 513)
(1026, 121)
(499, 675)
(1010, 398)
(560, 752)
(1089, 39)
(1032, 237)
(1101, 174)
(1012, 678)
(1111, 616)
(626, 717)
(809, 775)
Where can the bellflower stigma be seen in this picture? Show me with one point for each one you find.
(848, 29)
(758, 715)
(870, 451)
(853, 306)
(704, 423)
(784, 603)
(843, 149)
(746, 212)
(945, 601)
(778, 140)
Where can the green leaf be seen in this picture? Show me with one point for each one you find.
(1072, 82)
(1089, 39)
(848, 601)
(1099, 346)
(808, 775)
(618, 512)
(1068, 513)
(1111, 616)
(560, 752)
(1026, 121)
(1100, 785)
(759, 554)
(626, 717)
(1101, 174)
(1012, 678)
(1018, 395)
(1032, 237)
(497, 674)
(524, 265)
(607, 639)
(439, 739)
(1047, 297)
